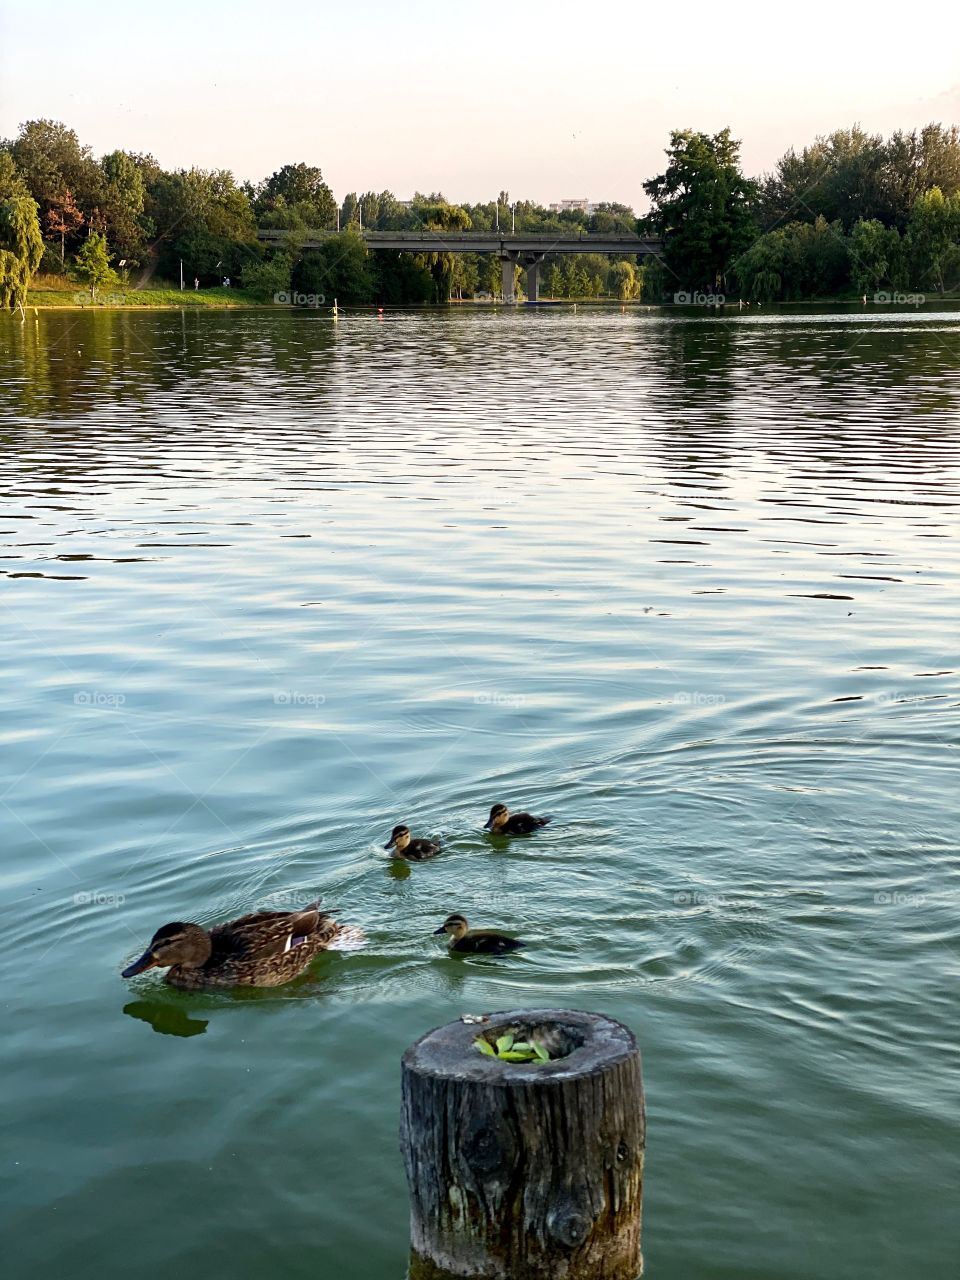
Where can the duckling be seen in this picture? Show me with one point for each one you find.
(477, 941)
(504, 823)
(412, 850)
(264, 949)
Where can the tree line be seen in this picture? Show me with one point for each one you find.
(852, 213)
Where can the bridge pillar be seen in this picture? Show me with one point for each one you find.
(533, 281)
(508, 276)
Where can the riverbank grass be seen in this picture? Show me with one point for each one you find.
(61, 291)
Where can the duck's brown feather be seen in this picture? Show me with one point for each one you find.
(265, 949)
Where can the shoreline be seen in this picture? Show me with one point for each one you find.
(166, 300)
(666, 307)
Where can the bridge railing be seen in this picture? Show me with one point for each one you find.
(544, 238)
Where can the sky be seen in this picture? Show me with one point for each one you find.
(546, 101)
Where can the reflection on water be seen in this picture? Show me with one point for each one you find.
(167, 1020)
(272, 585)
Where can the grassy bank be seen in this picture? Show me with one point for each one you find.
(60, 291)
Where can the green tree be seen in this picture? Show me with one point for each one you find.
(624, 280)
(267, 278)
(437, 214)
(849, 176)
(489, 279)
(918, 161)
(612, 217)
(760, 271)
(348, 210)
(296, 196)
(340, 269)
(578, 282)
(702, 207)
(21, 248)
(654, 279)
(797, 261)
(92, 264)
(401, 278)
(392, 214)
(123, 203)
(204, 219)
(11, 180)
(933, 235)
(875, 254)
(51, 160)
(553, 281)
(855, 184)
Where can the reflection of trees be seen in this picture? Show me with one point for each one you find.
(700, 396)
(102, 380)
(688, 372)
(847, 391)
(797, 387)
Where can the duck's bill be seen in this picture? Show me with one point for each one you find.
(146, 961)
(488, 824)
(442, 929)
(390, 844)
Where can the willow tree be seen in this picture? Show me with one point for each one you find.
(21, 248)
(441, 216)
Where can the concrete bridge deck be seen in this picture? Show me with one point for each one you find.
(526, 248)
(498, 242)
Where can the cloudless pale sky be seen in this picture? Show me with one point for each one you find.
(544, 100)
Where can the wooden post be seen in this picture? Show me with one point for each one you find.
(520, 1171)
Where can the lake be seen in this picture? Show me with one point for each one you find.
(689, 583)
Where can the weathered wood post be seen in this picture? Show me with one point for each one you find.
(520, 1171)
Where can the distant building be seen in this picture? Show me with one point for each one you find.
(581, 206)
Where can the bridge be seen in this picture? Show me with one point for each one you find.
(525, 248)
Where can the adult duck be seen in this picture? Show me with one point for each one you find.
(265, 949)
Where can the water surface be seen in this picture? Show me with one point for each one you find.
(272, 584)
